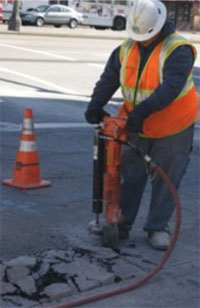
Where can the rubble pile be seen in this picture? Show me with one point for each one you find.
(29, 281)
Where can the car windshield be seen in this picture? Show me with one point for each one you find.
(41, 8)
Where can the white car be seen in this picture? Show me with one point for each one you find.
(1, 13)
(56, 15)
(7, 11)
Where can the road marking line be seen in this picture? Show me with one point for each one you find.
(44, 95)
(85, 98)
(12, 127)
(61, 125)
(38, 52)
(50, 54)
(47, 83)
(54, 96)
(96, 65)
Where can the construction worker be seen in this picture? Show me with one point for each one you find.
(154, 69)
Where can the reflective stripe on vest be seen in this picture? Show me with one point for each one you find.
(128, 94)
(135, 91)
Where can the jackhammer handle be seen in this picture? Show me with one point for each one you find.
(98, 171)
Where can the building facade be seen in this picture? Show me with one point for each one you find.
(185, 14)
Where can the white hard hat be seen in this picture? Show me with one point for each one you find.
(146, 19)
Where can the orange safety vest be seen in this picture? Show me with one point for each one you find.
(181, 112)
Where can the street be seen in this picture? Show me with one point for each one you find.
(55, 77)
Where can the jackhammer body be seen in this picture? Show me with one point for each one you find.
(107, 178)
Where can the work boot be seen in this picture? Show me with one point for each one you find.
(159, 240)
(124, 229)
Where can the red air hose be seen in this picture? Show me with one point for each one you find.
(140, 282)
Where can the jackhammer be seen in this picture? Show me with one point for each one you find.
(106, 178)
(108, 139)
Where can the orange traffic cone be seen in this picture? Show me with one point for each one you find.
(26, 173)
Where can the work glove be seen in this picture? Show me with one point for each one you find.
(95, 116)
(134, 122)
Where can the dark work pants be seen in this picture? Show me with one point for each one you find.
(172, 155)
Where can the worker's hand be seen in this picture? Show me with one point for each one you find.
(95, 116)
(134, 123)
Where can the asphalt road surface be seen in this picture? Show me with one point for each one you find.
(55, 77)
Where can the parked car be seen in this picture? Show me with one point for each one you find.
(7, 12)
(56, 15)
(40, 8)
(1, 12)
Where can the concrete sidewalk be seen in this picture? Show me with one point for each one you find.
(82, 32)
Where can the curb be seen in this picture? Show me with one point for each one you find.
(86, 36)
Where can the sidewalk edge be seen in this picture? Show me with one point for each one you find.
(86, 36)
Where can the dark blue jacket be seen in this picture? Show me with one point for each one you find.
(175, 73)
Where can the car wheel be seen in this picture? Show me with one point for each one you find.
(39, 22)
(73, 23)
(119, 23)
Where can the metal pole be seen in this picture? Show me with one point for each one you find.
(15, 20)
